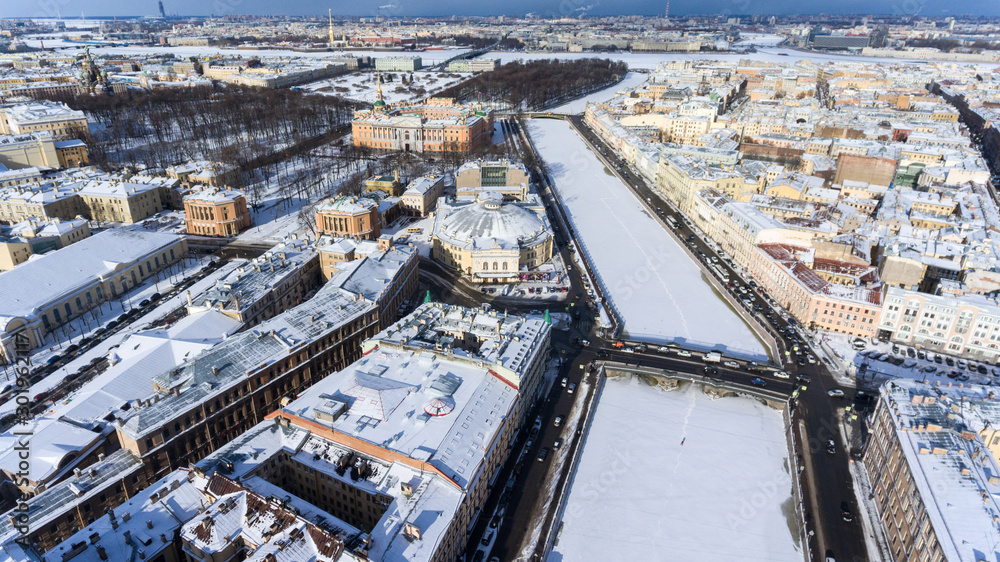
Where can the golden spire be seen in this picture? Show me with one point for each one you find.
(330, 12)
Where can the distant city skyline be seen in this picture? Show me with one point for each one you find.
(547, 8)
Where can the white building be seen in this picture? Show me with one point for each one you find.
(398, 64)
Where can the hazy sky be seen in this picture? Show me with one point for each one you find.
(73, 8)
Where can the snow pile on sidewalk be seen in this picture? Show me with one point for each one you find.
(640, 494)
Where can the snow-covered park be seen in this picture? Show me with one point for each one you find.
(361, 86)
(657, 289)
(677, 475)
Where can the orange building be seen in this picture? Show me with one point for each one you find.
(216, 212)
(349, 217)
(434, 125)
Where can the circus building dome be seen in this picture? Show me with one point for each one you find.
(474, 235)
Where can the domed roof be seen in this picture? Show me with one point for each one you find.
(490, 222)
(440, 406)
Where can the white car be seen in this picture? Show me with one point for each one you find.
(836, 393)
(732, 364)
(683, 353)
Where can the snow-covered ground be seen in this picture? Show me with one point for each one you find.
(650, 60)
(639, 494)
(657, 289)
(361, 86)
(631, 80)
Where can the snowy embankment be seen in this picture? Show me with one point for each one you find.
(691, 478)
(631, 80)
(658, 291)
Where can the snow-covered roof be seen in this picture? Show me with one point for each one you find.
(490, 222)
(215, 371)
(31, 286)
(956, 475)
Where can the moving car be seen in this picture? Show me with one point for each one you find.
(543, 453)
(758, 381)
(558, 421)
(836, 393)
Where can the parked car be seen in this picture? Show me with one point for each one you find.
(558, 443)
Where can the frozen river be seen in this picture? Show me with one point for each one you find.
(669, 476)
(654, 285)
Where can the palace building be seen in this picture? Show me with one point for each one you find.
(433, 125)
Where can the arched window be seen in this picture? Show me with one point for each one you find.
(495, 266)
(504, 266)
(486, 266)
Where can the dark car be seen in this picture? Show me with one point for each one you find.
(72, 347)
(54, 359)
(845, 512)
(949, 361)
(41, 396)
(543, 453)
(155, 297)
(758, 381)
(144, 303)
(831, 447)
